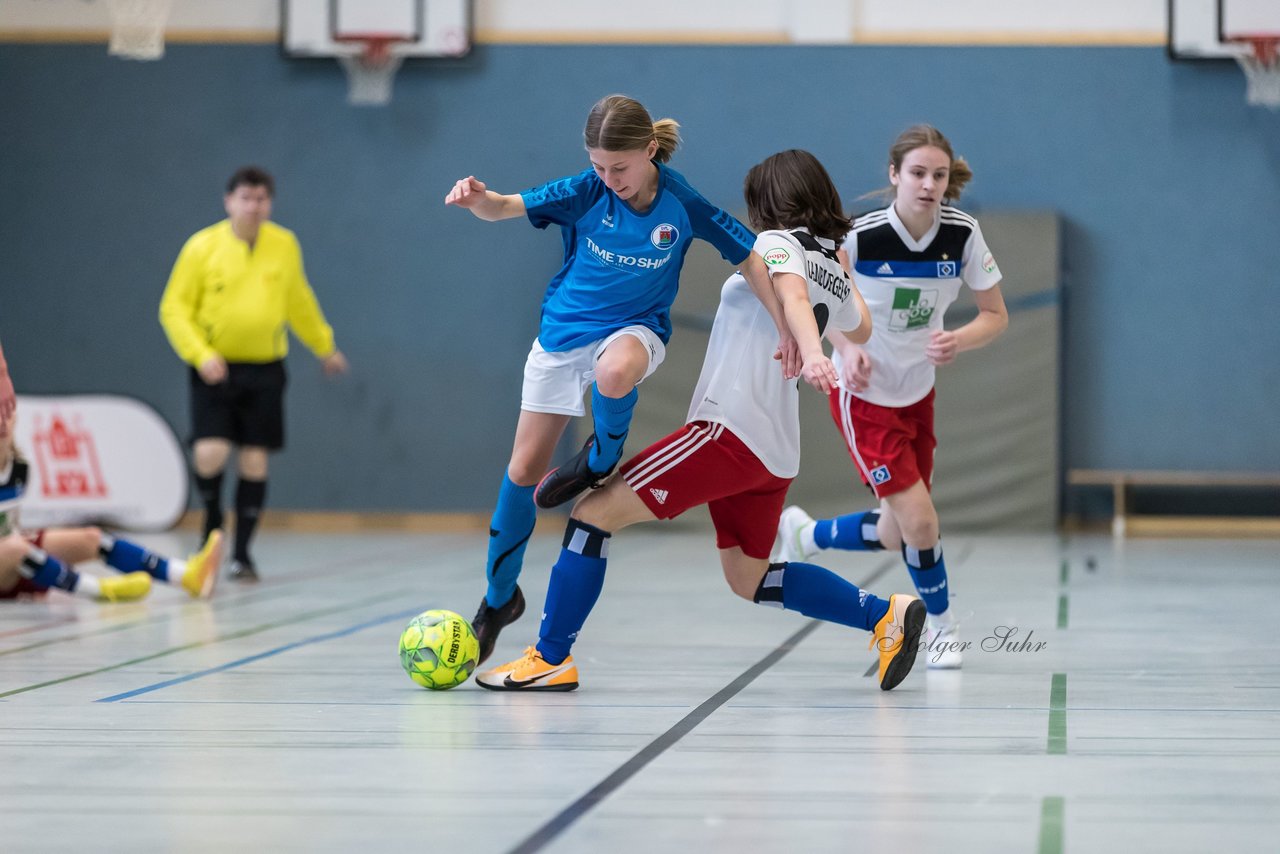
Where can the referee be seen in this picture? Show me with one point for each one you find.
(237, 285)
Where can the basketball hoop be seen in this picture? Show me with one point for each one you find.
(137, 28)
(1259, 57)
(371, 68)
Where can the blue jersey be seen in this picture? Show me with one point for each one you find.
(622, 268)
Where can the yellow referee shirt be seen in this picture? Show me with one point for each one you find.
(225, 299)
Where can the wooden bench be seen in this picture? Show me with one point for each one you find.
(1124, 522)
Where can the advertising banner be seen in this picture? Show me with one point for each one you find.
(99, 459)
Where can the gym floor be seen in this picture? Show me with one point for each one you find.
(1118, 696)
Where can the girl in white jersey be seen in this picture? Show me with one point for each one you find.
(909, 260)
(626, 224)
(741, 447)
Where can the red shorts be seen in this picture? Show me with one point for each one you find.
(23, 588)
(892, 446)
(704, 463)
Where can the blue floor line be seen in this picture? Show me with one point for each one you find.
(385, 618)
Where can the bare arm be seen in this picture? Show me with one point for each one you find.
(793, 293)
(992, 320)
(7, 400)
(757, 276)
(484, 203)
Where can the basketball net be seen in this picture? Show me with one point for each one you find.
(1260, 60)
(137, 28)
(371, 71)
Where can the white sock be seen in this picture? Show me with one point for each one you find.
(88, 587)
(807, 543)
(177, 569)
(941, 621)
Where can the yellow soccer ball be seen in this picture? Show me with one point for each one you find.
(438, 649)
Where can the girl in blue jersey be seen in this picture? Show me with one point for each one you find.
(626, 223)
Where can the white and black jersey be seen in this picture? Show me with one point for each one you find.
(741, 385)
(13, 483)
(908, 285)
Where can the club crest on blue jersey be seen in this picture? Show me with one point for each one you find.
(880, 475)
(664, 236)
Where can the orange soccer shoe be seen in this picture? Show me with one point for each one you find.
(531, 673)
(897, 638)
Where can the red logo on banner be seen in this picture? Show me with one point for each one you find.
(67, 461)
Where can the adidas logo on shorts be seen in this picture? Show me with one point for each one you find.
(885, 269)
(660, 494)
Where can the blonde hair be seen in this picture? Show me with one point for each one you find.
(619, 123)
(927, 136)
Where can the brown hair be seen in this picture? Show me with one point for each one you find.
(252, 176)
(922, 136)
(792, 189)
(619, 123)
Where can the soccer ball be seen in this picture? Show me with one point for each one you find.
(438, 649)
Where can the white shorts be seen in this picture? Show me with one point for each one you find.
(556, 382)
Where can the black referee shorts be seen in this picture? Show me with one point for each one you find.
(247, 407)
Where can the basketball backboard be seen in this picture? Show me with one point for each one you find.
(420, 28)
(1204, 29)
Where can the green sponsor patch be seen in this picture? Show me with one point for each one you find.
(912, 308)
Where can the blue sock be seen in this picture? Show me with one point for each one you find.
(612, 418)
(44, 570)
(929, 574)
(131, 557)
(855, 532)
(821, 594)
(576, 582)
(509, 532)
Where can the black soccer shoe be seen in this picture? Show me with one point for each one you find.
(242, 570)
(489, 622)
(570, 479)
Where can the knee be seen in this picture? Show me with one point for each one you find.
(12, 549)
(615, 380)
(921, 531)
(253, 463)
(89, 539)
(524, 471)
(209, 457)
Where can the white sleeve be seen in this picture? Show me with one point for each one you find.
(978, 268)
(846, 317)
(781, 253)
(850, 247)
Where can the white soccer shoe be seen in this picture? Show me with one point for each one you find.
(795, 537)
(942, 645)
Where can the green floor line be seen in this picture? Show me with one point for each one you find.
(1058, 714)
(1063, 573)
(1062, 610)
(1051, 809)
(253, 630)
